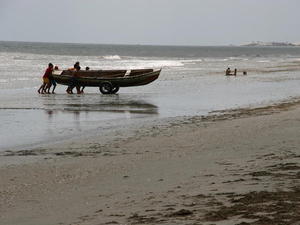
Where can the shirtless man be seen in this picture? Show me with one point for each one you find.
(73, 82)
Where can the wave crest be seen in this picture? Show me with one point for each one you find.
(112, 57)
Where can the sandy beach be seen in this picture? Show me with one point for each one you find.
(149, 112)
(237, 167)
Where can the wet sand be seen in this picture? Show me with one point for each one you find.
(231, 167)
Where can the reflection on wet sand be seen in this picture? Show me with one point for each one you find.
(125, 107)
(56, 117)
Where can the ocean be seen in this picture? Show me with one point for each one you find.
(192, 83)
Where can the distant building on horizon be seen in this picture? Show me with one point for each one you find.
(274, 44)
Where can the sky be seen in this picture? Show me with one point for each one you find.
(150, 22)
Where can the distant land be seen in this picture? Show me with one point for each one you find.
(261, 43)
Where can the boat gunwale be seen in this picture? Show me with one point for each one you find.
(128, 77)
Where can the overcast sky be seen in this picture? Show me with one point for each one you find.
(163, 22)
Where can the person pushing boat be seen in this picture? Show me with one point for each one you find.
(73, 81)
(46, 80)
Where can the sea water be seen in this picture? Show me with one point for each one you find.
(192, 83)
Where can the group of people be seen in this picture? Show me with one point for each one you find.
(229, 72)
(48, 80)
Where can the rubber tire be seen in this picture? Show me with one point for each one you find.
(115, 89)
(106, 88)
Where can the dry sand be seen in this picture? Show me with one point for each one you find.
(239, 167)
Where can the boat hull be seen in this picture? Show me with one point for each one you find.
(94, 81)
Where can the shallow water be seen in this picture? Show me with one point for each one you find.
(192, 83)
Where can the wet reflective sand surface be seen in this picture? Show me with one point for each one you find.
(60, 116)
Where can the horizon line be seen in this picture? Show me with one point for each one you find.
(149, 45)
(93, 43)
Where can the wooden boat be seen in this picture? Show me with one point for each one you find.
(108, 81)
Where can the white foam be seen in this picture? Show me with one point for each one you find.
(20, 79)
(215, 60)
(112, 57)
(264, 61)
(192, 61)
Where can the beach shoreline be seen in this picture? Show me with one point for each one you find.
(234, 167)
(192, 83)
(132, 130)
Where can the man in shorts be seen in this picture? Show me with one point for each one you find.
(52, 83)
(46, 81)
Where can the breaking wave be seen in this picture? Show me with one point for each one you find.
(112, 57)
